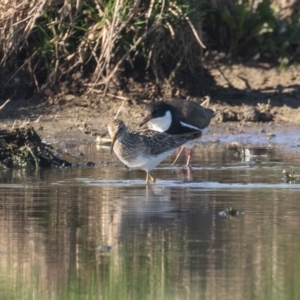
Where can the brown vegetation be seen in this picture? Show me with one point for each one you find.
(74, 47)
(60, 42)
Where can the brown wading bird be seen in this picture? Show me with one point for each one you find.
(144, 149)
(179, 117)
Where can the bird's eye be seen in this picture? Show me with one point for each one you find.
(155, 112)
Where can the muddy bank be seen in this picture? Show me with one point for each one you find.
(66, 132)
(252, 100)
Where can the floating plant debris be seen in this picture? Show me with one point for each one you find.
(230, 212)
(240, 149)
(289, 176)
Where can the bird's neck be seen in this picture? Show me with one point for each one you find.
(162, 124)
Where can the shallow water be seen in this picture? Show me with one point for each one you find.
(100, 233)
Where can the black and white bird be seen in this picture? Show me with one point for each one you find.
(144, 149)
(178, 117)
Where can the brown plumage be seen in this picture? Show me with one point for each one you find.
(144, 149)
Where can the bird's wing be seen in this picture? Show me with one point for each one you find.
(160, 142)
(194, 110)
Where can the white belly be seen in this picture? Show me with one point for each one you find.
(146, 163)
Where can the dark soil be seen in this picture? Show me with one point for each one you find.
(244, 94)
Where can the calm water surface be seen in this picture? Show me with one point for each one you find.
(100, 233)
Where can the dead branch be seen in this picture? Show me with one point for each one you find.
(2, 106)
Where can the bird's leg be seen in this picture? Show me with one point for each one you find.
(152, 178)
(189, 173)
(177, 156)
(189, 157)
(147, 178)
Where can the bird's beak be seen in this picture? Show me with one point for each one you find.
(113, 140)
(145, 121)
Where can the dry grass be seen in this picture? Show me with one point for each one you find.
(91, 45)
(54, 40)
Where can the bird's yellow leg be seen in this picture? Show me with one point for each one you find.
(152, 178)
(147, 178)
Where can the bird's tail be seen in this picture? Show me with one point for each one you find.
(197, 134)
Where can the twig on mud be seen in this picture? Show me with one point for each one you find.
(119, 110)
(25, 122)
(37, 120)
(108, 94)
(2, 106)
(13, 126)
(206, 101)
(118, 97)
